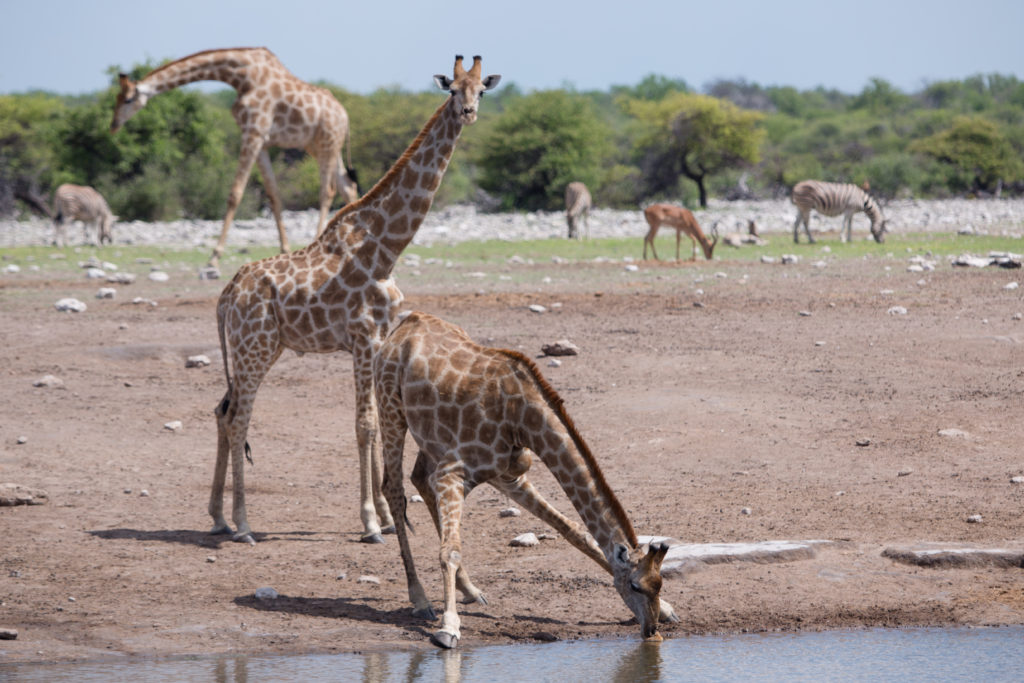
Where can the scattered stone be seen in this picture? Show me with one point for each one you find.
(863, 442)
(1017, 316)
(22, 440)
(48, 381)
(819, 343)
(537, 308)
(159, 276)
(367, 578)
(70, 304)
(12, 268)
(819, 264)
(144, 493)
(554, 363)
(140, 300)
(954, 433)
(632, 267)
(416, 498)
(341, 576)
(8, 634)
(527, 540)
(510, 512)
(974, 519)
(106, 293)
(16, 494)
(746, 511)
(804, 314)
(765, 258)
(209, 273)
(545, 637)
(121, 278)
(173, 425)
(71, 598)
(897, 310)
(720, 274)
(211, 559)
(127, 491)
(199, 361)
(915, 268)
(265, 593)
(123, 326)
(96, 274)
(790, 259)
(699, 304)
(905, 473)
(562, 347)
(1017, 480)
(1011, 285)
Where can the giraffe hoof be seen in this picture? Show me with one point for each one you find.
(244, 537)
(389, 530)
(372, 538)
(220, 529)
(445, 640)
(427, 613)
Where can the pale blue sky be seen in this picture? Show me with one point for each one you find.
(65, 46)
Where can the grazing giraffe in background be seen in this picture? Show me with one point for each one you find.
(82, 203)
(832, 199)
(577, 206)
(473, 411)
(336, 294)
(683, 221)
(273, 109)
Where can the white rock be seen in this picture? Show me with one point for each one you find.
(121, 278)
(48, 381)
(1017, 316)
(554, 363)
(765, 258)
(915, 269)
(173, 425)
(106, 293)
(199, 361)
(510, 512)
(265, 593)
(790, 258)
(819, 343)
(632, 267)
(905, 473)
(70, 304)
(367, 578)
(1011, 285)
(22, 440)
(159, 276)
(804, 314)
(954, 433)
(416, 498)
(720, 274)
(527, 540)
(96, 274)
(12, 268)
(897, 310)
(746, 511)
(1017, 480)
(974, 519)
(819, 264)
(537, 308)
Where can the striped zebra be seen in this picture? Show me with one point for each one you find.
(577, 205)
(81, 203)
(832, 199)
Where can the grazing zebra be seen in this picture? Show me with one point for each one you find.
(832, 199)
(577, 205)
(78, 202)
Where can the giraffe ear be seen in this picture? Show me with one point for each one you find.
(442, 81)
(492, 81)
(621, 555)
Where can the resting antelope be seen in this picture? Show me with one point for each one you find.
(683, 221)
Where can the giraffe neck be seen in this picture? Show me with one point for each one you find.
(560, 446)
(233, 67)
(387, 217)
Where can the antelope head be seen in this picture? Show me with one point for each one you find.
(466, 88)
(709, 250)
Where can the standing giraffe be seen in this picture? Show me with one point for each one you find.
(336, 294)
(577, 206)
(273, 109)
(473, 412)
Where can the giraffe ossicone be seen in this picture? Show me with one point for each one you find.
(274, 108)
(476, 414)
(336, 294)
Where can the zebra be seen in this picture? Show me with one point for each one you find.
(78, 202)
(832, 199)
(577, 205)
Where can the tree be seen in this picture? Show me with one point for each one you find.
(26, 158)
(540, 144)
(978, 152)
(694, 136)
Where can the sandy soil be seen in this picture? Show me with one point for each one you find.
(694, 412)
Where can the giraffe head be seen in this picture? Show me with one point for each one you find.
(466, 88)
(637, 576)
(130, 99)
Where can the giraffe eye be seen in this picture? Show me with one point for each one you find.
(634, 586)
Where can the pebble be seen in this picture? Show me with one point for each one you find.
(765, 258)
(8, 634)
(863, 442)
(554, 363)
(265, 593)
(746, 511)
(527, 540)
(1017, 480)
(211, 559)
(144, 493)
(173, 425)
(632, 267)
(537, 308)
(954, 433)
(48, 381)
(510, 512)
(1011, 285)
(70, 304)
(200, 361)
(159, 276)
(562, 347)
(12, 268)
(96, 274)
(905, 473)
(121, 278)
(897, 310)
(22, 440)
(805, 314)
(819, 343)
(367, 578)
(106, 293)
(790, 259)
(416, 498)
(974, 519)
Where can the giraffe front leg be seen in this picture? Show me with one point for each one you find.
(421, 472)
(450, 489)
(252, 143)
(371, 499)
(270, 185)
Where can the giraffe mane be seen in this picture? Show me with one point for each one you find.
(200, 53)
(387, 178)
(557, 405)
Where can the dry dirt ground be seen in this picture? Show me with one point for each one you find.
(695, 413)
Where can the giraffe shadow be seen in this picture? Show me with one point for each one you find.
(342, 608)
(201, 539)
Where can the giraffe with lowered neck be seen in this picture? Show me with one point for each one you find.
(273, 109)
(474, 411)
(336, 294)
